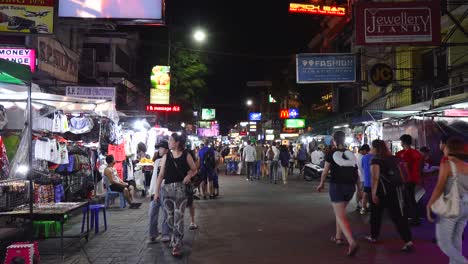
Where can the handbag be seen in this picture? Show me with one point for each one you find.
(448, 205)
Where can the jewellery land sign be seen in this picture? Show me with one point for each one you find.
(27, 16)
(398, 23)
(21, 56)
(160, 85)
(325, 68)
(96, 93)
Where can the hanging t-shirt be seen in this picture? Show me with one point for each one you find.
(11, 144)
(151, 141)
(119, 168)
(118, 151)
(62, 153)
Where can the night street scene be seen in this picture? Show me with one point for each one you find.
(213, 132)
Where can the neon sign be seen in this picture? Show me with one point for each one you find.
(289, 113)
(21, 56)
(284, 113)
(163, 108)
(317, 9)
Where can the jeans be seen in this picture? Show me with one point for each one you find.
(412, 205)
(399, 219)
(258, 169)
(175, 202)
(273, 170)
(250, 169)
(154, 218)
(284, 171)
(449, 233)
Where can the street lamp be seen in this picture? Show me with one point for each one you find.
(199, 35)
(249, 102)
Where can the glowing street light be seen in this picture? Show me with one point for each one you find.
(199, 35)
(249, 102)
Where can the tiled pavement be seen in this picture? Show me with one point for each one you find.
(252, 222)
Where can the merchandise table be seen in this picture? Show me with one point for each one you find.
(51, 212)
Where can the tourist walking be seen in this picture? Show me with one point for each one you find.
(249, 156)
(388, 193)
(449, 231)
(273, 156)
(156, 204)
(412, 166)
(260, 151)
(177, 170)
(343, 179)
(284, 161)
(363, 150)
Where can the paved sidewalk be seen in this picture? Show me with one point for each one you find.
(251, 222)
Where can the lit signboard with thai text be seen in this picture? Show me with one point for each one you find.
(162, 108)
(21, 56)
(294, 123)
(317, 9)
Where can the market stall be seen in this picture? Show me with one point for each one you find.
(48, 148)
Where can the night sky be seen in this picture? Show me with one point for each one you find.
(247, 41)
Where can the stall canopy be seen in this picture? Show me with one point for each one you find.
(14, 73)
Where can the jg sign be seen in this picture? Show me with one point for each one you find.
(381, 75)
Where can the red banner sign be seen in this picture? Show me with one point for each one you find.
(317, 9)
(162, 108)
(398, 23)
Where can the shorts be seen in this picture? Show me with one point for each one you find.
(116, 188)
(341, 192)
(368, 190)
(132, 183)
(208, 175)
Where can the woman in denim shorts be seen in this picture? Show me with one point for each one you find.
(343, 178)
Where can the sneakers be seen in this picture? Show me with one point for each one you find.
(371, 239)
(408, 247)
(193, 226)
(163, 239)
(152, 240)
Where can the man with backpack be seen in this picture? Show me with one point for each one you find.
(412, 162)
(207, 169)
(387, 193)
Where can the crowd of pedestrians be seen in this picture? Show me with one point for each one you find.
(381, 181)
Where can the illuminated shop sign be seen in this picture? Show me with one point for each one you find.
(163, 108)
(294, 123)
(317, 9)
(255, 116)
(289, 113)
(21, 56)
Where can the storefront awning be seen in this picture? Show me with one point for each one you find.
(14, 73)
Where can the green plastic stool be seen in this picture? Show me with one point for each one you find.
(47, 225)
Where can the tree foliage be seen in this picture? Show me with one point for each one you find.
(188, 86)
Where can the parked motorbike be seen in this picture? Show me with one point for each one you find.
(312, 172)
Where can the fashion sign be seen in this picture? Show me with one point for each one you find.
(398, 23)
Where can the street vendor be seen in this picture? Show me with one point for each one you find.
(118, 185)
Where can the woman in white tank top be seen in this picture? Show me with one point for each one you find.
(449, 231)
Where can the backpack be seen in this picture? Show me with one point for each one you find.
(390, 172)
(270, 154)
(209, 160)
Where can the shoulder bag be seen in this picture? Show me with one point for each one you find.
(448, 205)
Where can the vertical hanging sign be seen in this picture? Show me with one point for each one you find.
(160, 85)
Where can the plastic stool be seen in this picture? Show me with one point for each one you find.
(48, 226)
(94, 209)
